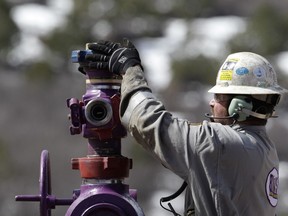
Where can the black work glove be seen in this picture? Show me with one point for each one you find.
(115, 57)
(99, 59)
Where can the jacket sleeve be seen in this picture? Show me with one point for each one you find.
(147, 120)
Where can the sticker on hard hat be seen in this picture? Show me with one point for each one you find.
(242, 71)
(259, 72)
(226, 72)
(226, 75)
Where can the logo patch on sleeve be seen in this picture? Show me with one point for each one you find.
(272, 183)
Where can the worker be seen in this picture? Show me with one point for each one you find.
(229, 163)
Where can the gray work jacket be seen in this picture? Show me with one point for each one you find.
(230, 170)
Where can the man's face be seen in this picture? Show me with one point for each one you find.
(219, 108)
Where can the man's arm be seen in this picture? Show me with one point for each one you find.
(144, 116)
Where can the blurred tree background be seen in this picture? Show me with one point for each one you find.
(182, 44)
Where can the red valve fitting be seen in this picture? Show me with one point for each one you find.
(103, 167)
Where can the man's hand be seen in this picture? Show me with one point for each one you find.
(115, 57)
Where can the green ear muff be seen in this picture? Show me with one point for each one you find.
(236, 107)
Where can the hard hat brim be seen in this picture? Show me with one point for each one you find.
(232, 89)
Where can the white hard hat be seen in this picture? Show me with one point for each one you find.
(246, 73)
